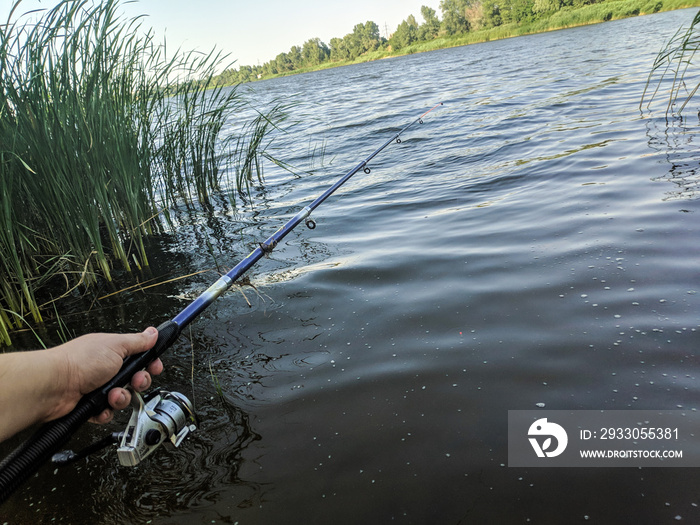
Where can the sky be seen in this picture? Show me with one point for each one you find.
(254, 32)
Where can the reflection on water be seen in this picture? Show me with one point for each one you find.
(533, 243)
(674, 139)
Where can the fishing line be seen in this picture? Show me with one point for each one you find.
(26, 459)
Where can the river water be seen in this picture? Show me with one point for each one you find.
(532, 244)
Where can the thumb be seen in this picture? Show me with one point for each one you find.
(137, 343)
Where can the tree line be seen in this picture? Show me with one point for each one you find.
(458, 17)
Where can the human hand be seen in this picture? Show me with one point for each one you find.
(91, 360)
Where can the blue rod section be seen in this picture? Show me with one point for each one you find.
(224, 282)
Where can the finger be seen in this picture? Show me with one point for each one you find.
(155, 368)
(141, 381)
(104, 417)
(119, 398)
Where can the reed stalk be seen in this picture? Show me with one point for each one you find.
(100, 132)
(675, 70)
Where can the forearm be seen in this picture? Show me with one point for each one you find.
(30, 386)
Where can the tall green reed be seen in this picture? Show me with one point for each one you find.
(675, 68)
(100, 132)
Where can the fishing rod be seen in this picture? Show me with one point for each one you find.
(160, 415)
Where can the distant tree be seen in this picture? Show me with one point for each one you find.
(491, 12)
(295, 57)
(369, 36)
(546, 6)
(228, 77)
(270, 68)
(431, 27)
(405, 34)
(364, 37)
(314, 52)
(454, 20)
(245, 74)
(474, 14)
(351, 44)
(338, 49)
(283, 63)
(517, 11)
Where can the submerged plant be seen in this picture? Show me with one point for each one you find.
(674, 67)
(216, 383)
(101, 131)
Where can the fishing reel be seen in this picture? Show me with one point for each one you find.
(161, 416)
(156, 418)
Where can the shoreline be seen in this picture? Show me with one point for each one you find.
(482, 36)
